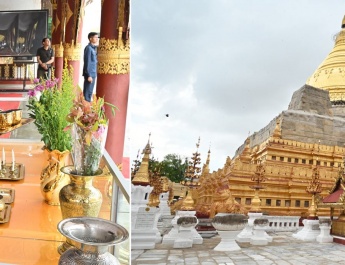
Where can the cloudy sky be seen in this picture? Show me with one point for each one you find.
(221, 69)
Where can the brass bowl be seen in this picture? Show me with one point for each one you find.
(6, 119)
(10, 117)
(17, 116)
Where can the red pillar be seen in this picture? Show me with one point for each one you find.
(57, 38)
(113, 71)
(72, 11)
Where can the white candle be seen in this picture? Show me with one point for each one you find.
(13, 161)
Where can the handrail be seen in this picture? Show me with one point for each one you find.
(119, 178)
(119, 184)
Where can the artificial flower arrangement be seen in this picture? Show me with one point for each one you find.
(48, 105)
(89, 127)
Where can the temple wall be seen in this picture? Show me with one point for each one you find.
(339, 111)
(310, 128)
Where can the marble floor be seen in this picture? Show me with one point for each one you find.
(283, 250)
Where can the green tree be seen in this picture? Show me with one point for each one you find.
(174, 167)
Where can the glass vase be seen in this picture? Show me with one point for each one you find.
(87, 149)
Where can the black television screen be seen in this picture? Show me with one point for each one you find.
(21, 32)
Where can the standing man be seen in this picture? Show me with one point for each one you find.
(45, 57)
(90, 65)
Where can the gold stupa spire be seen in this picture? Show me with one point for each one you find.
(330, 75)
(206, 166)
(142, 176)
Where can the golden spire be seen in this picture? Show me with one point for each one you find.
(192, 173)
(206, 167)
(142, 176)
(277, 130)
(257, 178)
(245, 155)
(330, 75)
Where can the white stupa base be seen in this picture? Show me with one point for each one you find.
(158, 238)
(260, 237)
(268, 237)
(309, 232)
(227, 242)
(247, 233)
(143, 240)
(197, 238)
(183, 243)
(324, 236)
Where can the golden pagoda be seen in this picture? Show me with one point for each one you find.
(141, 176)
(330, 75)
(307, 137)
(191, 180)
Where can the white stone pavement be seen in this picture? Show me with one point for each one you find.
(283, 250)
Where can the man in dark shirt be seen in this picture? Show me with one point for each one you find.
(90, 65)
(45, 57)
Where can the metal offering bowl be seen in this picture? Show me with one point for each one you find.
(94, 234)
(10, 117)
(17, 116)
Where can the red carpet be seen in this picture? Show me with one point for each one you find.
(6, 105)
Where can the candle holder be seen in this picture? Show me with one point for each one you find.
(3, 169)
(12, 171)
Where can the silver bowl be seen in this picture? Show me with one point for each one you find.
(90, 238)
(92, 230)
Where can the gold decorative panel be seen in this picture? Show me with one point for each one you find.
(114, 56)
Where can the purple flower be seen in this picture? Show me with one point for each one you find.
(40, 87)
(36, 81)
(32, 92)
(100, 131)
(50, 84)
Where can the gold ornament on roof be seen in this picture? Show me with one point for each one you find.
(257, 178)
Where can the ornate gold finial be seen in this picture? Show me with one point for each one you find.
(188, 202)
(314, 187)
(157, 184)
(277, 130)
(206, 168)
(257, 178)
(142, 176)
(208, 155)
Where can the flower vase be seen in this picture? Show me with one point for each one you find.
(52, 179)
(87, 148)
(91, 238)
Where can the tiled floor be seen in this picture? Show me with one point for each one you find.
(283, 250)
